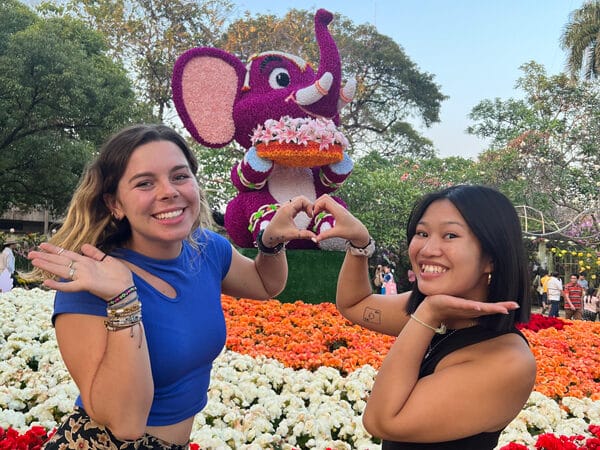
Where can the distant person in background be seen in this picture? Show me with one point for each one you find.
(573, 293)
(389, 284)
(544, 277)
(536, 285)
(378, 278)
(591, 305)
(7, 264)
(387, 274)
(583, 282)
(554, 287)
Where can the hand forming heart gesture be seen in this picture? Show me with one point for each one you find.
(282, 228)
(346, 225)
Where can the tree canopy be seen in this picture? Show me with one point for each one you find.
(147, 36)
(60, 96)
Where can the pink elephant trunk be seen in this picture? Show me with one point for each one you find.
(330, 62)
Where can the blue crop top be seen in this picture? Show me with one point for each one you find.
(184, 334)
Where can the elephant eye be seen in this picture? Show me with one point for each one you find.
(279, 78)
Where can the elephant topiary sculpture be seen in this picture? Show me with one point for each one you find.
(220, 99)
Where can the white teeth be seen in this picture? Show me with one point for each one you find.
(169, 215)
(432, 269)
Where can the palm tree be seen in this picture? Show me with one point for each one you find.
(581, 38)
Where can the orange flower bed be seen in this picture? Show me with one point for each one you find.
(306, 336)
(568, 360)
(301, 335)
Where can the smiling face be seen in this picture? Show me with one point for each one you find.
(159, 196)
(446, 256)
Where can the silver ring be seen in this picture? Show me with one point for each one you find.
(71, 273)
(71, 264)
(60, 251)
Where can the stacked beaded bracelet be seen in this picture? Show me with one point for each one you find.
(125, 316)
(122, 296)
(123, 310)
(267, 250)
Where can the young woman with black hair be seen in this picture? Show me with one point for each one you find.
(459, 371)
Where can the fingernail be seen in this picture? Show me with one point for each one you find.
(313, 239)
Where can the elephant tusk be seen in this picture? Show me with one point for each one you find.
(347, 93)
(315, 91)
(320, 89)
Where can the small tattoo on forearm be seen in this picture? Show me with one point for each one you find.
(372, 315)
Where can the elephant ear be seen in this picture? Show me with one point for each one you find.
(206, 84)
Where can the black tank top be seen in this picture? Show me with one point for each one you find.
(442, 345)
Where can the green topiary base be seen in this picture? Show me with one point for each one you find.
(312, 275)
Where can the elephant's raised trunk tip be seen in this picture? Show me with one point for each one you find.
(323, 16)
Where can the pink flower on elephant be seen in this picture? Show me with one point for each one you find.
(220, 99)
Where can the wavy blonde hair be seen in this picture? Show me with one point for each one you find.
(89, 219)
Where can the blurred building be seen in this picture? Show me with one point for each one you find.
(21, 222)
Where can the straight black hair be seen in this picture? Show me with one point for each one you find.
(494, 222)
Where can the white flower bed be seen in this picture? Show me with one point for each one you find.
(253, 403)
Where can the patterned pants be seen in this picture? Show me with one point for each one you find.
(79, 431)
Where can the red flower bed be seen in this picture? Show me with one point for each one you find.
(538, 322)
(32, 439)
(549, 441)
